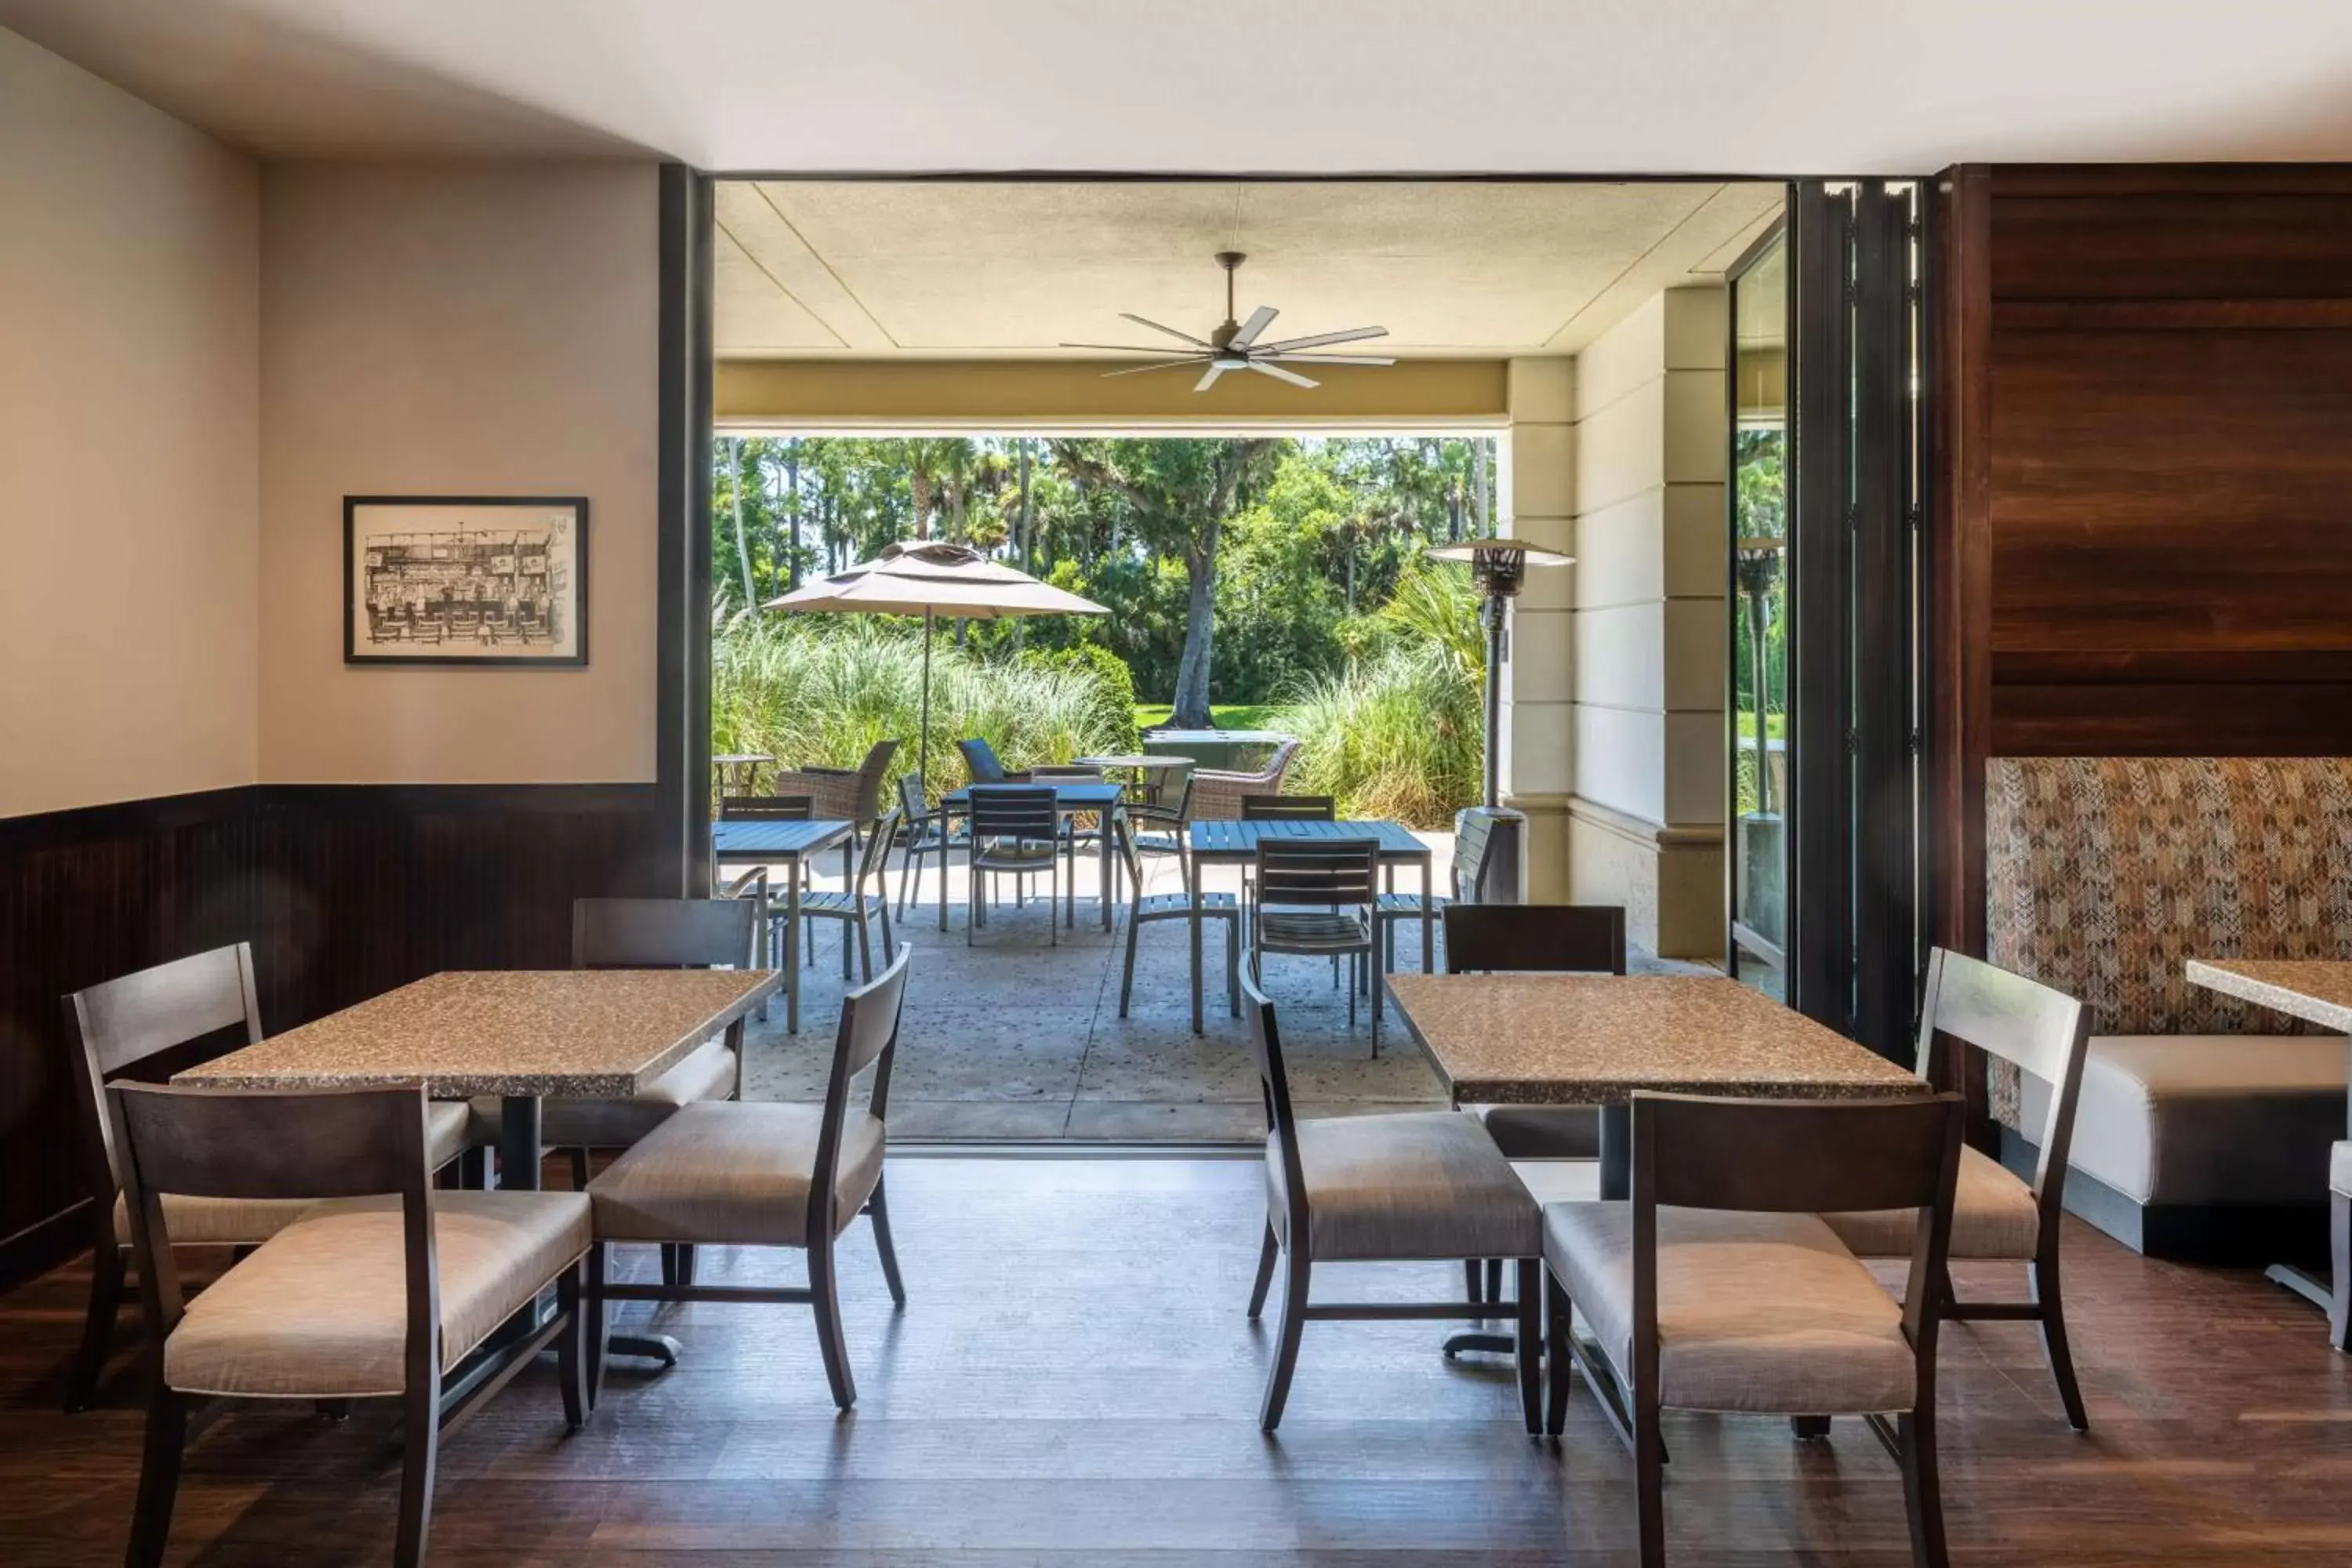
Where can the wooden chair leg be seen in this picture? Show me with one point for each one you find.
(598, 1313)
(1560, 1328)
(1495, 1279)
(1269, 1250)
(825, 1297)
(686, 1262)
(669, 1266)
(579, 1169)
(1285, 1344)
(159, 1478)
(1923, 1495)
(106, 1272)
(1648, 1479)
(2041, 1284)
(420, 1420)
(1530, 1350)
(571, 1347)
(879, 1208)
(2340, 1304)
(1473, 1281)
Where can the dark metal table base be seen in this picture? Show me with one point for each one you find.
(519, 1150)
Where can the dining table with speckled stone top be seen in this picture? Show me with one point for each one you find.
(519, 1034)
(1600, 1039)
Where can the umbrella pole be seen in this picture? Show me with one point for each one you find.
(923, 746)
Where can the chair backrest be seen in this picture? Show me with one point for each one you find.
(1289, 808)
(867, 1033)
(1319, 871)
(869, 779)
(2034, 1027)
(1182, 808)
(663, 934)
(1473, 841)
(1279, 765)
(980, 762)
(125, 1021)
(1281, 1117)
(1573, 939)
(875, 857)
(912, 804)
(260, 1144)
(1013, 811)
(1789, 1156)
(767, 808)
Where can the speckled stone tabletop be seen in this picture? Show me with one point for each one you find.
(604, 1033)
(2319, 990)
(1598, 1039)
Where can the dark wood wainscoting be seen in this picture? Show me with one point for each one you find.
(344, 891)
(2144, 530)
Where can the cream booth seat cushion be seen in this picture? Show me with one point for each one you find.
(1993, 1215)
(733, 1172)
(708, 1073)
(2339, 1170)
(1423, 1184)
(1756, 1311)
(240, 1222)
(2203, 1119)
(321, 1310)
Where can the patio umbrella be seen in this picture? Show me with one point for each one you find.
(930, 579)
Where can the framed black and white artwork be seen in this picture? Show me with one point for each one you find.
(469, 580)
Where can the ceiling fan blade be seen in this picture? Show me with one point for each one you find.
(1163, 364)
(1259, 319)
(1122, 348)
(1141, 321)
(1327, 359)
(1265, 368)
(1351, 335)
(1216, 369)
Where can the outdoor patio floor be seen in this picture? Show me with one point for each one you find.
(1013, 1038)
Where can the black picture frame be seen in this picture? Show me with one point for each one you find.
(506, 634)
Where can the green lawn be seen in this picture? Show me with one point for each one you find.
(1230, 716)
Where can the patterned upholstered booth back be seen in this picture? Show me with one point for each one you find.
(2105, 875)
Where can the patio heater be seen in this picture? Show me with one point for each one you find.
(1499, 567)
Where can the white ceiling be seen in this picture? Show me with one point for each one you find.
(1235, 86)
(1452, 269)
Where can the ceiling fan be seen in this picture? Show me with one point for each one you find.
(1235, 346)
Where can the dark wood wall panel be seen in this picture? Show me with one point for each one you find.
(2145, 505)
(363, 887)
(84, 895)
(344, 891)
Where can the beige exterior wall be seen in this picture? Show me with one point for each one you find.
(1537, 501)
(461, 329)
(129, 408)
(1645, 820)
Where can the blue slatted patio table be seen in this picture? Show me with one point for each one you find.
(1226, 843)
(764, 841)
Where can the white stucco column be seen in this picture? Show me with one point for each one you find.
(1536, 500)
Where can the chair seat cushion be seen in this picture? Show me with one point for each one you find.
(2339, 1170)
(1423, 1184)
(243, 1222)
(708, 1073)
(1317, 928)
(734, 1174)
(1543, 1131)
(1756, 1311)
(1993, 1215)
(321, 1310)
(2204, 1118)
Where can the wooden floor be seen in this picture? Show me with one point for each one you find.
(1073, 1382)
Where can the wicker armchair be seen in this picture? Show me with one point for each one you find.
(1217, 797)
(852, 794)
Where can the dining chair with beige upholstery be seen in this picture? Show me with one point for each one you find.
(765, 1173)
(128, 1021)
(2339, 1245)
(1412, 1186)
(1719, 1288)
(1996, 1213)
(379, 1289)
(1534, 939)
(649, 934)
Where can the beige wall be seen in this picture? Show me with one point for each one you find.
(481, 328)
(129, 366)
(1537, 496)
(1646, 812)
